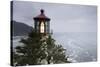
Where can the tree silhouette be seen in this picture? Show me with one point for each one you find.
(39, 49)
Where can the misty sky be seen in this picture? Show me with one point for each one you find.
(64, 17)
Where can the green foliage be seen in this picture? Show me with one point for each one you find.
(38, 47)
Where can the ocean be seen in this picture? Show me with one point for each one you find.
(80, 46)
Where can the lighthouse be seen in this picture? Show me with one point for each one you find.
(42, 23)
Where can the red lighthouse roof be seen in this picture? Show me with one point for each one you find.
(41, 16)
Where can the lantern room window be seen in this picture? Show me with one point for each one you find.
(42, 27)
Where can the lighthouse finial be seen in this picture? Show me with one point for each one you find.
(42, 11)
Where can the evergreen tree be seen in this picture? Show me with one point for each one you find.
(39, 49)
